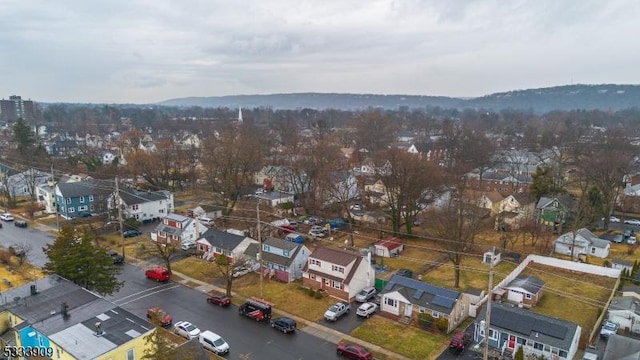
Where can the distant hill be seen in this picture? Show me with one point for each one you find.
(569, 97)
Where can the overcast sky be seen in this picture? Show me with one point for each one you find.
(143, 51)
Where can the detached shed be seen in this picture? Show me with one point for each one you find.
(388, 247)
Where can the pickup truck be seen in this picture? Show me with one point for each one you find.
(608, 328)
(256, 309)
(336, 311)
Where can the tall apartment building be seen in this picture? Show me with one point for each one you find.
(15, 108)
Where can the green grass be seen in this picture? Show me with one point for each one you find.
(402, 339)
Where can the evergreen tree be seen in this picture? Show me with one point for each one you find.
(519, 354)
(78, 259)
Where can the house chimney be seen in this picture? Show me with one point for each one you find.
(197, 223)
(99, 331)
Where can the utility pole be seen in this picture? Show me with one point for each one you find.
(119, 207)
(487, 319)
(260, 249)
(53, 185)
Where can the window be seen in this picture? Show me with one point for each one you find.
(81, 199)
(82, 208)
(563, 354)
(314, 262)
(131, 354)
(285, 253)
(493, 334)
(337, 268)
(547, 348)
(68, 200)
(336, 285)
(266, 247)
(593, 250)
(435, 314)
(391, 302)
(312, 276)
(135, 207)
(528, 296)
(90, 197)
(538, 346)
(91, 208)
(71, 210)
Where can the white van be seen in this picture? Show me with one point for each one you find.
(206, 221)
(213, 342)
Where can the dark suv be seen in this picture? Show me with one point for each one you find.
(459, 341)
(284, 324)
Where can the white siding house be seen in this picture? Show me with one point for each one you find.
(583, 242)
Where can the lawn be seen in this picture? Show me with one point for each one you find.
(402, 339)
(198, 269)
(575, 297)
(473, 273)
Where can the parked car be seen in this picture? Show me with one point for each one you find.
(284, 324)
(354, 351)
(632, 222)
(220, 300)
(318, 228)
(131, 233)
(631, 240)
(365, 294)
(255, 309)
(240, 271)
(367, 309)
(317, 234)
(160, 315)
(405, 272)
(158, 273)
(608, 328)
(186, 329)
(6, 217)
(213, 342)
(117, 258)
(613, 219)
(336, 311)
(188, 246)
(357, 207)
(20, 223)
(17, 250)
(459, 341)
(618, 239)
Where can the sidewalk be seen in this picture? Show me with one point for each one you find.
(312, 328)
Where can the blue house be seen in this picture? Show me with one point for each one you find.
(284, 259)
(513, 327)
(81, 199)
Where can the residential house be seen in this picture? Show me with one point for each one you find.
(23, 183)
(406, 136)
(281, 178)
(342, 186)
(144, 206)
(390, 247)
(275, 198)
(177, 230)
(631, 290)
(213, 243)
(514, 210)
(622, 265)
(582, 242)
(46, 197)
(512, 327)
(75, 199)
(342, 274)
(406, 298)
(554, 211)
(525, 290)
(429, 151)
(284, 259)
(490, 200)
(375, 192)
(625, 311)
(621, 348)
(73, 322)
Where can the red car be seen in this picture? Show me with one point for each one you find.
(459, 341)
(220, 300)
(354, 351)
(162, 317)
(158, 273)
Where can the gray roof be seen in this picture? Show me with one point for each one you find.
(269, 257)
(586, 235)
(75, 332)
(566, 201)
(222, 239)
(423, 294)
(621, 348)
(530, 283)
(83, 188)
(541, 328)
(133, 197)
(629, 303)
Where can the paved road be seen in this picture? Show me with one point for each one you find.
(244, 335)
(10, 234)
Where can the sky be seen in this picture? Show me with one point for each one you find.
(146, 51)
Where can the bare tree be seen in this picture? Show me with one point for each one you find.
(167, 252)
(228, 267)
(374, 131)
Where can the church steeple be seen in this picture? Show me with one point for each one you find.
(239, 114)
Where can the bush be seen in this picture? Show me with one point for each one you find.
(425, 321)
(318, 294)
(311, 292)
(442, 324)
(140, 250)
(5, 257)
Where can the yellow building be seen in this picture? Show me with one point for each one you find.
(64, 321)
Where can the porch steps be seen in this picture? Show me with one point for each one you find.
(405, 320)
(508, 353)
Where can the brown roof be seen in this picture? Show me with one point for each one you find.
(494, 196)
(334, 256)
(390, 243)
(524, 198)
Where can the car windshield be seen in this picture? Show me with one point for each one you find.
(610, 326)
(334, 308)
(189, 327)
(219, 342)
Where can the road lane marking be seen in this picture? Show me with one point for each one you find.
(140, 292)
(149, 294)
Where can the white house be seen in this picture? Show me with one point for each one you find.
(176, 229)
(583, 242)
(214, 243)
(144, 206)
(275, 198)
(284, 259)
(388, 247)
(340, 273)
(23, 183)
(46, 197)
(625, 311)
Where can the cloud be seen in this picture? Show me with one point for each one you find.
(149, 50)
